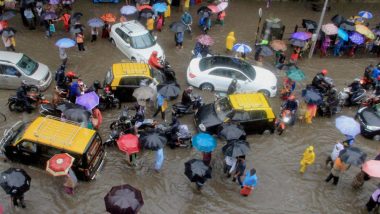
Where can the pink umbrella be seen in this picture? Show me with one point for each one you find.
(222, 6)
(205, 40)
(213, 8)
(372, 168)
(330, 29)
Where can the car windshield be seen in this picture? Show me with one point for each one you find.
(143, 41)
(222, 61)
(15, 132)
(222, 108)
(27, 65)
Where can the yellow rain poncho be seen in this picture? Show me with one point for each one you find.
(308, 158)
(230, 41)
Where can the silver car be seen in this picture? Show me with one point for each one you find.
(16, 67)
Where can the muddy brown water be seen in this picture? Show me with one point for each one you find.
(281, 188)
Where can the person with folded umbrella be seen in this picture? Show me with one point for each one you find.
(308, 158)
(338, 168)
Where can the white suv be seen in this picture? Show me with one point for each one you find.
(134, 41)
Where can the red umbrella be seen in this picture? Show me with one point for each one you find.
(59, 164)
(108, 17)
(205, 40)
(372, 168)
(128, 143)
(144, 6)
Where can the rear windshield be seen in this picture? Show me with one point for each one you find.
(91, 152)
(220, 61)
(27, 65)
(143, 41)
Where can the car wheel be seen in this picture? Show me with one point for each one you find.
(265, 92)
(207, 87)
(113, 42)
(133, 59)
(376, 137)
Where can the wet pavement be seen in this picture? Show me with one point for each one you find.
(281, 188)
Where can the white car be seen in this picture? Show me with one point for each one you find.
(217, 72)
(16, 67)
(134, 41)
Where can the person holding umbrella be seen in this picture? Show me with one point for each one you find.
(15, 182)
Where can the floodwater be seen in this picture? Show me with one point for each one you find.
(276, 158)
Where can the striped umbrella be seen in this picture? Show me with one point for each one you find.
(365, 14)
(242, 48)
(357, 38)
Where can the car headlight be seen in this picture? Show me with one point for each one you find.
(273, 87)
(202, 127)
(372, 128)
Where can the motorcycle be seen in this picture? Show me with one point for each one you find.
(284, 120)
(112, 138)
(349, 98)
(176, 137)
(34, 98)
(370, 101)
(366, 83)
(107, 100)
(179, 109)
(125, 123)
(168, 71)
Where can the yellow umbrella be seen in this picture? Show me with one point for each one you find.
(362, 29)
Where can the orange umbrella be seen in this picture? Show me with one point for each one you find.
(372, 168)
(108, 17)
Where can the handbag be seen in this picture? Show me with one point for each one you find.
(246, 190)
(52, 28)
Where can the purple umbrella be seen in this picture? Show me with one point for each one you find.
(301, 35)
(54, 2)
(88, 100)
(357, 38)
(49, 15)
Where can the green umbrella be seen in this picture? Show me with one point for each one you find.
(295, 74)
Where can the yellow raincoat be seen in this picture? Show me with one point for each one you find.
(308, 158)
(230, 41)
(150, 24)
(168, 11)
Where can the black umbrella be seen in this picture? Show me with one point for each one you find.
(152, 140)
(236, 148)
(309, 24)
(68, 105)
(353, 155)
(312, 96)
(169, 90)
(77, 115)
(7, 15)
(123, 199)
(178, 27)
(146, 13)
(15, 181)
(266, 51)
(196, 170)
(348, 26)
(231, 131)
(297, 42)
(338, 19)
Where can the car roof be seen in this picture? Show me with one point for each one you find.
(132, 28)
(227, 61)
(11, 57)
(248, 102)
(131, 69)
(58, 134)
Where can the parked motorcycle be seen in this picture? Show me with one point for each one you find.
(179, 109)
(284, 120)
(125, 123)
(34, 98)
(107, 100)
(349, 98)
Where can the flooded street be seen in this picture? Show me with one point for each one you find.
(281, 189)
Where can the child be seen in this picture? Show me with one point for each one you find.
(71, 182)
(249, 183)
(94, 34)
(80, 41)
(308, 158)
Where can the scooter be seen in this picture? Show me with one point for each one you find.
(284, 120)
(34, 99)
(179, 109)
(125, 123)
(107, 100)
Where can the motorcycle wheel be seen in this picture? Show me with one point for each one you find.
(13, 107)
(114, 125)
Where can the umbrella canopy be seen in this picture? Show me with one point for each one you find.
(236, 148)
(123, 199)
(222, 6)
(128, 143)
(278, 45)
(54, 2)
(204, 142)
(372, 168)
(312, 96)
(95, 22)
(301, 36)
(347, 125)
(266, 51)
(77, 115)
(146, 13)
(213, 8)
(152, 140)
(356, 38)
(297, 42)
(49, 16)
(128, 10)
(169, 91)
(338, 19)
(178, 27)
(65, 43)
(330, 29)
(362, 29)
(347, 26)
(108, 17)
(68, 105)
(160, 7)
(88, 100)
(59, 164)
(295, 74)
(15, 181)
(144, 93)
(232, 132)
(241, 48)
(205, 39)
(342, 34)
(365, 14)
(309, 24)
(196, 169)
(7, 15)
(353, 155)
(144, 7)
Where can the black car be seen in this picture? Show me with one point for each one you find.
(369, 119)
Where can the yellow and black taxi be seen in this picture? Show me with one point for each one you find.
(125, 77)
(35, 143)
(251, 110)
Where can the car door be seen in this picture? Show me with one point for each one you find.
(243, 81)
(28, 152)
(220, 78)
(126, 87)
(258, 121)
(11, 77)
(121, 41)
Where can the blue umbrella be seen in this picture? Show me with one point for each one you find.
(312, 96)
(347, 126)
(204, 142)
(128, 10)
(95, 22)
(160, 7)
(357, 38)
(342, 34)
(88, 100)
(242, 48)
(65, 43)
(301, 36)
(366, 14)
